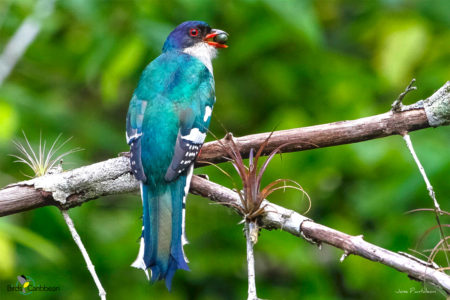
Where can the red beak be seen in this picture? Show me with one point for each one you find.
(209, 38)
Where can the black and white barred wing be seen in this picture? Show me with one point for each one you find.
(187, 148)
(189, 142)
(135, 118)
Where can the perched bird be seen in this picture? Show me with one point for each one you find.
(167, 121)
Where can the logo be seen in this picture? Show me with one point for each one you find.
(25, 285)
(25, 282)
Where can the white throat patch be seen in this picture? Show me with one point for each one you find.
(204, 52)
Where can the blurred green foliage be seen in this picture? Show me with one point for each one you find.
(289, 64)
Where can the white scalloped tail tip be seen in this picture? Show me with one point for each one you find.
(139, 262)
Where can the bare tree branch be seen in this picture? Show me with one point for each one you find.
(430, 189)
(398, 105)
(277, 217)
(250, 262)
(87, 259)
(72, 188)
(432, 112)
(23, 37)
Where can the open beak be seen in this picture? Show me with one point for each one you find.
(217, 38)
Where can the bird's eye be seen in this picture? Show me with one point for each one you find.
(193, 32)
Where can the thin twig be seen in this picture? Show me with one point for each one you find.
(277, 217)
(250, 260)
(430, 189)
(397, 105)
(80, 245)
(23, 37)
(431, 192)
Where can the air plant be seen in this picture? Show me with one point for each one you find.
(442, 245)
(42, 161)
(252, 195)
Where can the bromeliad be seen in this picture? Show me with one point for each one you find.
(167, 121)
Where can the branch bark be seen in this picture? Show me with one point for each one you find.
(278, 217)
(72, 188)
(431, 112)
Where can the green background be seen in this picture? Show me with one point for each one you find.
(290, 64)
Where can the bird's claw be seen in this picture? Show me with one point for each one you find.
(125, 154)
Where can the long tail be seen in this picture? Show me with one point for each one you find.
(163, 235)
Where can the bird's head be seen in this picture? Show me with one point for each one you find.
(196, 36)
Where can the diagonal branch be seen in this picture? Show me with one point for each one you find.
(432, 112)
(72, 188)
(278, 217)
(87, 259)
(23, 37)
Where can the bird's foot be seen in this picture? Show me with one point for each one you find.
(124, 154)
(204, 176)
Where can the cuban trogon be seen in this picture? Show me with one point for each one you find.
(167, 121)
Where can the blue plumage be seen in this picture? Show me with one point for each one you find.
(167, 121)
